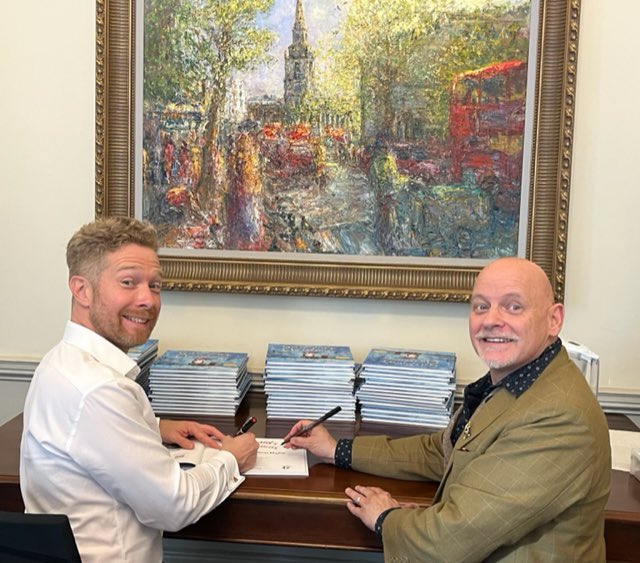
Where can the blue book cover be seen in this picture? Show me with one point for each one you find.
(410, 360)
(143, 350)
(292, 353)
(200, 361)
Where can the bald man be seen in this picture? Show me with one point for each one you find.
(525, 464)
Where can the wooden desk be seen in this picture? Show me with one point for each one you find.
(311, 512)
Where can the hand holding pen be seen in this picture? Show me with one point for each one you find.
(246, 426)
(312, 425)
(243, 447)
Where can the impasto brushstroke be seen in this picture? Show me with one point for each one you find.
(351, 127)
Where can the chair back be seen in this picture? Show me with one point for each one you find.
(29, 538)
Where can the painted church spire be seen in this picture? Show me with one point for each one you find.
(298, 67)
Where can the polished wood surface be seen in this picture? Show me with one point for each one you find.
(311, 511)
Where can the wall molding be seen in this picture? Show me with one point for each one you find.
(627, 402)
(622, 403)
(17, 370)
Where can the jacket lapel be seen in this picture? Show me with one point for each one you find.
(491, 408)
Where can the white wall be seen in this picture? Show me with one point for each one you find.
(47, 188)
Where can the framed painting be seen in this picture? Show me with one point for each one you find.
(380, 149)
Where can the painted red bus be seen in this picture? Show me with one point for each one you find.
(486, 125)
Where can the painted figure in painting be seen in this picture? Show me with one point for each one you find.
(352, 127)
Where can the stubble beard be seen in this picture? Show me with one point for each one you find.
(115, 333)
(495, 363)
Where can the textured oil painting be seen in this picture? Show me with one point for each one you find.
(387, 128)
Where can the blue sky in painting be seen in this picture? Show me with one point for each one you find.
(322, 18)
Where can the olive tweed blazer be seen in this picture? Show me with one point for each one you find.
(528, 479)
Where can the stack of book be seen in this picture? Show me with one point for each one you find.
(407, 387)
(144, 355)
(307, 381)
(195, 382)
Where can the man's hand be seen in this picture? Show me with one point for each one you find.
(367, 503)
(181, 433)
(319, 441)
(244, 448)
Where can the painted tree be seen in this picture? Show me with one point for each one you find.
(379, 40)
(192, 49)
(474, 39)
(163, 79)
(395, 48)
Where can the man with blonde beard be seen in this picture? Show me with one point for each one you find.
(524, 466)
(92, 447)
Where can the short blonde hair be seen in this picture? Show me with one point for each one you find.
(89, 245)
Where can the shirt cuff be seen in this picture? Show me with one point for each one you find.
(378, 527)
(224, 458)
(342, 456)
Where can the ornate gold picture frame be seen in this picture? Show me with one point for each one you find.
(546, 219)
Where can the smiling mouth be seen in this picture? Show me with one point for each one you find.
(137, 320)
(496, 339)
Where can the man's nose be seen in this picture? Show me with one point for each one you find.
(146, 296)
(493, 316)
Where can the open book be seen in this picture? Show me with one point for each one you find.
(273, 459)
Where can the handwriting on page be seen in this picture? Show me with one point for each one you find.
(276, 460)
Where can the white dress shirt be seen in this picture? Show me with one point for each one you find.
(91, 449)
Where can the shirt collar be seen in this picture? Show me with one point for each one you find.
(521, 379)
(515, 383)
(101, 349)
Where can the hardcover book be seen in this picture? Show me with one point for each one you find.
(293, 353)
(396, 360)
(179, 361)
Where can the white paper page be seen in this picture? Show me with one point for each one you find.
(276, 460)
(622, 442)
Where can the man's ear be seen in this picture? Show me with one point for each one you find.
(81, 290)
(556, 318)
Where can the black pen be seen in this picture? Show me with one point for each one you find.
(313, 424)
(248, 424)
